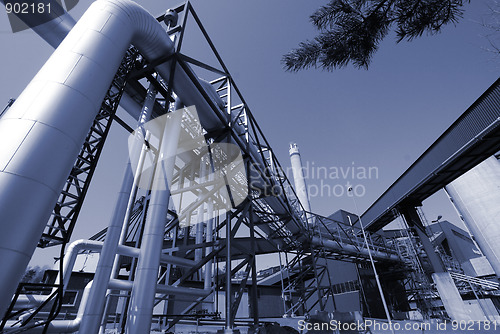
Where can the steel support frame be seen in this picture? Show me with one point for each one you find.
(258, 218)
(69, 204)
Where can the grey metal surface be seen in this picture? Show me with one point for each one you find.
(476, 195)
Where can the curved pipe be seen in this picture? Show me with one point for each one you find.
(74, 248)
(54, 31)
(45, 129)
(72, 253)
(62, 326)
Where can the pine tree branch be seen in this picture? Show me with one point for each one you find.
(350, 30)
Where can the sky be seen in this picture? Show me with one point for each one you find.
(379, 119)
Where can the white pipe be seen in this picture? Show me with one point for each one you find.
(28, 300)
(70, 326)
(73, 249)
(209, 239)
(66, 326)
(160, 288)
(46, 131)
(71, 255)
(95, 307)
(201, 215)
(143, 291)
(55, 29)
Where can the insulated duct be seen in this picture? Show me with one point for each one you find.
(47, 125)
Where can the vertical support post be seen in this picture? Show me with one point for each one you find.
(201, 216)
(289, 288)
(447, 289)
(253, 294)
(209, 239)
(317, 279)
(229, 321)
(282, 283)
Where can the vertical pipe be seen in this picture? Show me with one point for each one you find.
(201, 215)
(143, 289)
(95, 306)
(209, 239)
(144, 117)
(229, 322)
(253, 293)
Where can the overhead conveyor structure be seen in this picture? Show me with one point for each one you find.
(191, 133)
(471, 139)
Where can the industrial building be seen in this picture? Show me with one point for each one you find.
(204, 199)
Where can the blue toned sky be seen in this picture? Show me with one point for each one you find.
(382, 118)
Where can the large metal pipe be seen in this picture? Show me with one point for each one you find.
(57, 24)
(59, 27)
(352, 249)
(143, 291)
(45, 129)
(95, 306)
(476, 195)
(160, 288)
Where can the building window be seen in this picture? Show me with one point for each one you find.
(69, 298)
(345, 287)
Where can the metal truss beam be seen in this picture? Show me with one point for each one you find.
(69, 204)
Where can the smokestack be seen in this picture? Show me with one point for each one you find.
(298, 177)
